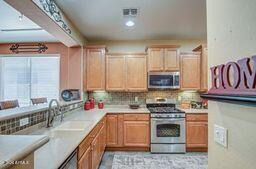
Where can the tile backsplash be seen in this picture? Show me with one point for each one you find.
(128, 97)
(12, 125)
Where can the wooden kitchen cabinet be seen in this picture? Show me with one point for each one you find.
(136, 73)
(95, 68)
(85, 161)
(163, 58)
(190, 71)
(112, 130)
(91, 149)
(128, 131)
(96, 152)
(103, 136)
(196, 132)
(203, 66)
(126, 72)
(136, 133)
(116, 73)
(171, 59)
(155, 59)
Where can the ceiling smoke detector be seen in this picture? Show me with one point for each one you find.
(130, 12)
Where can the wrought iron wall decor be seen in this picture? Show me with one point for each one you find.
(28, 48)
(50, 7)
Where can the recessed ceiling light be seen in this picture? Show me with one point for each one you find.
(130, 23)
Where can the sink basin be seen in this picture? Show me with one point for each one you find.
(73, 125)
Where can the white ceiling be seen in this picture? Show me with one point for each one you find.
(9, 18)
(158, 19)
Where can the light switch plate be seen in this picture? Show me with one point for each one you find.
(221, 135)
(23, 121)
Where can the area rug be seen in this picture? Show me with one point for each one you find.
(160, 161)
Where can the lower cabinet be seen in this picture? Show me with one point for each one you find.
(96, 156)
(136, 133)
(128, 131)
(91, 149)
(197, 132)
(121, 131)
(112, 130)
(85, 161)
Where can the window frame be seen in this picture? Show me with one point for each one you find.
(31, 56)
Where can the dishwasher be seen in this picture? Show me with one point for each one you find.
(70, 162)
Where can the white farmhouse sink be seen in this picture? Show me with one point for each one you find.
(73, 125)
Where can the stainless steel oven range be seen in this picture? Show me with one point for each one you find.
(168, 133)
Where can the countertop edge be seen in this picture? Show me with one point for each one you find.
(28, 150)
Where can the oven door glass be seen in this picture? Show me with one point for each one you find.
(167, 130)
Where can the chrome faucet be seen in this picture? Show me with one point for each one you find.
(52, 113)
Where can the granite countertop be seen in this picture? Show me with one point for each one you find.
(13, 148)
(19, 111)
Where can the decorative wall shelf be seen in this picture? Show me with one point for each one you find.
(229, 98)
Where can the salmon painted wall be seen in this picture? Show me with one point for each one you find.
(70, 63)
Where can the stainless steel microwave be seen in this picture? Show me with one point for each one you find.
(164, 80)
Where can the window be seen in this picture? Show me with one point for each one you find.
(23, 78)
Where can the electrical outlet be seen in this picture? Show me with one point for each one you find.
(221, 135)
(23, 121)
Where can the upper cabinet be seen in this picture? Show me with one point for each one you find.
(126, 72)
(190, 71)
(115, 67)
(95, 68)
(171, 59)
(163, 58)
(155, 59)
(136, 73)
(203, 66)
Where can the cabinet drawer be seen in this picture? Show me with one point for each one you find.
(136, 117)
(196, 117)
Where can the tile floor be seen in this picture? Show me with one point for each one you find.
(142, 160)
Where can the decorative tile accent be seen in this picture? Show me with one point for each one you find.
(11, 126)
(122, 98)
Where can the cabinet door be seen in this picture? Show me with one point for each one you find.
(136, 133)
(112, 130)
(96, 152)
(171, 59)
(95, 68)
(136, 70)
(115, 75)
(197, 134)
(85, 161)
(190, 71)
(102, 140)
(156, 59)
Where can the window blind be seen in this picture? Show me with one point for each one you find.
(23, 78)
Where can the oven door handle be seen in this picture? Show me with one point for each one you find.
(178, 119)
